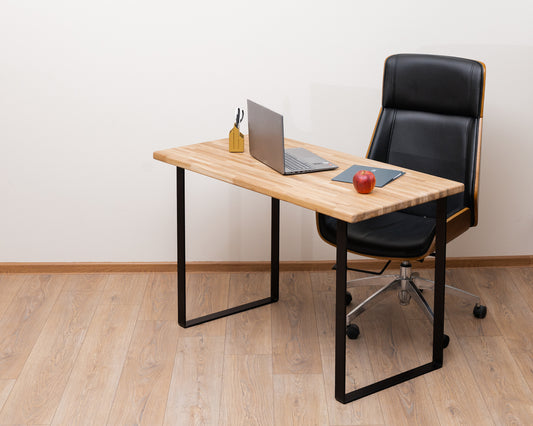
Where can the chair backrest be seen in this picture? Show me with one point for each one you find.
(430, 121)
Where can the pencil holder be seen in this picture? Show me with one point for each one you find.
(236, 140)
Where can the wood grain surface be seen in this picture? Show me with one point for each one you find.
(141, 396)
(48, 368)
(92, 384)
(23, 320)
(77, 351)
(314, 191)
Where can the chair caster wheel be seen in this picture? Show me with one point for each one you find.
(445, 341)
(348, 298)
(480, 311)
(352, 331)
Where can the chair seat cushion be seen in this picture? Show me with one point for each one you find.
(394, 235)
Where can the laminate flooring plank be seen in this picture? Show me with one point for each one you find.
(521, 347)
(23, 321)
(393, 351)
(499, 379)
(247, 391)
(142, 393)
(40, 386)
(460, 311)
(126, 289)
(523, 278)
(295, 343)
(408, 403)
(84, 282)
(160, 298)
(325, 280)
(324, 304)
(9, 287)
(249, 332)
(195, 388)
(300, 399)
(358, 366)
(5, 389)
(510, 310)
(92, 384)
(456, 397)
(206, 293)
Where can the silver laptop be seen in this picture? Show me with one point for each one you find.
(266, 138)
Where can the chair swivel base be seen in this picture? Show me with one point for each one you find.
(407, 290)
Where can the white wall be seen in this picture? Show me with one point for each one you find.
(88, 90)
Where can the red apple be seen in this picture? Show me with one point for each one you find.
(364, 181)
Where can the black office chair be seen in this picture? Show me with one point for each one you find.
(430, 121)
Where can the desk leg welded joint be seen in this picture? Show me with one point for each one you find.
(340, 315)
(181, 280)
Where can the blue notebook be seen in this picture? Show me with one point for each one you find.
(383, 176)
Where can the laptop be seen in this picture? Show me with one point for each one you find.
(266, 139)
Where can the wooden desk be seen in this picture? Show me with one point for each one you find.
(316, 191)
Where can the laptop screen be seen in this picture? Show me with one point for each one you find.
(265, 135)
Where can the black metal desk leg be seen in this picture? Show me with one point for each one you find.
(182, 285)
(340, 313)
(274, 251)
(440, 281)
(180, 195)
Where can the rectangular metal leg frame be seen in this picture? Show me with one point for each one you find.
(182, 296)
(340, 316)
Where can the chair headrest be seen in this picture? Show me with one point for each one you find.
(438, 84)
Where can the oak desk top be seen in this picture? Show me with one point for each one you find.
(314, 191)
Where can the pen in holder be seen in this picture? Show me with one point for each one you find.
(236, 138)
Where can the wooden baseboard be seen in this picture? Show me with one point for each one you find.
(321, 265)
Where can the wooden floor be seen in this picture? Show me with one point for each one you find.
(106, 349)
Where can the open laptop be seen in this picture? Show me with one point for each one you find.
(266, 138)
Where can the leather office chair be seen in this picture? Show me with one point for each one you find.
(430, 121)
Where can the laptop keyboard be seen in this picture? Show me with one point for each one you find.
(293, 164)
